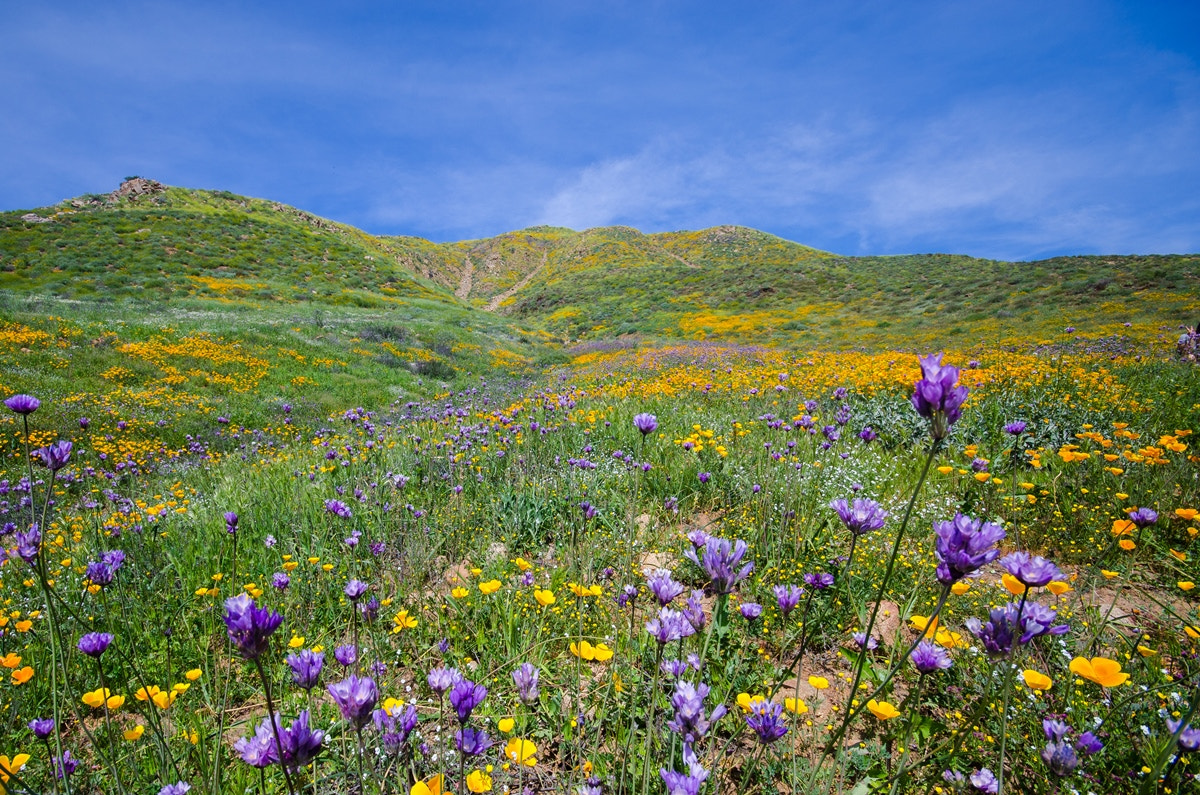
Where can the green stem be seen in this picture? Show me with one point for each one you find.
(646, 763)
(1008, 677)
(887, 576)
(912, 719)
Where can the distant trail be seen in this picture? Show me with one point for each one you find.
(494, 304)
(682, 261)
(468, 279)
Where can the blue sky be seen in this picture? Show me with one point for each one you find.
(1006, 129)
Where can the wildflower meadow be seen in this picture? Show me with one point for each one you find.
(691, 568)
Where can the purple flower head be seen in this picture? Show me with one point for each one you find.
(465, 696)
(306, 667)
(1032, 570)
(178, 788)
(65, 765)
(94, 644)
(1038, 620)
(250, 627)
(29, 544)
(862, 517)
(984, 780)
(338, 508)
(750, 610)
(867, 434)
(1015, 428)
(356, 698)
(84, 422)
(627, 595)
(1143, 517)
(787, 597)
(369, 610)
(280, 580)
(720, 562)
(1060, 757)
(1088, 744)
(698, 538)
(99, 573)
(861, 640)
(670, 625)
(395, 727)
(979, 465)
(346, 655)
(42, 728)
(819, 580)
(674, 668)
(23, 404)
(671, 504)
(442, 679)
(114, 559)
(693, 611)
(964, 545)
(663, 586)
(526, 680)
(589, 510)
(646, 423)
(355, 589)
(704, 477)
(691, 721)
(231, 522)
(935, 396)
(689, 783)
(472, 742)
(55, 456)
(999, 633)
(928, 657)
(1189, 738)
(259, 750)
(765, 718)
(300, 743)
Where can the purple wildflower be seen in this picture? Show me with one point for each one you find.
(280, 580)
(690, 720)
(868, 434)
(929, 657)
(465, 696)
(442, 679)
(346, 655)
(688, 783)
(23, 404)
(646, 423)
(1143, 517)
(663, 586)
(704, 477)
(750, 610)
(861, 517)
(94, 644)
(720, 560)
(526, 680)
(1033, 571)
(55, 456)
(670, 625)
(627, 595)
(250, 627)
(935, 396)
(355, 589)
(231, 522)
(1189, 738)
(65, 765)
(1038, 620)
(369, 610)
(42, 728)
(861, 640)
(964, 545)
(178, 788)
(395, 728)
(787, 597)
(673, 668)
(472, 742)
(1015, 428)
(29, 544)
(819, 580)
(984, 780)
(338, 508)
(765, 719)
(355, 698)
(693, 611)
(306, 667)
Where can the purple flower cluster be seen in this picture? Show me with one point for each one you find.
(936, 397)
(688, 783)
(928, 657)
(250, 627)
(862, 517)
(720, 562)
(663, 586)
(669, 625)
(787, 597)
(766, 720)
(1033, 571)
(355, 697)
(1002, 629)
(963, 546)
(465, 696)
(526, 680)
(300, 744)
(1059, 754)
(306, 667)
(646, 423)
(690, 720)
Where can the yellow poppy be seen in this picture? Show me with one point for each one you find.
(945, 470)
(521, 752)
(431, 787)
(1187, 514)
(22, 675)
(194, 674)
(1146, 651)
(101, 697)
(1058, 587)
(1110, 575)
(10, 766)
(1179, 556)
(134, 734)
(523, 564)
(1036, 680)
(544, 598)
(818, 682)
(459, 592)
(745, 700)
(1012, 584)
(506, 725)
(1122, 527)
(795, 705)
(489, 587)
(960, 588)
(403, 621)
(478, 781)
(924, 625)
(296, 642)
(10, 660)
(1127, 544)
(882, 709)
(1186, 585)
(1101, 670)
